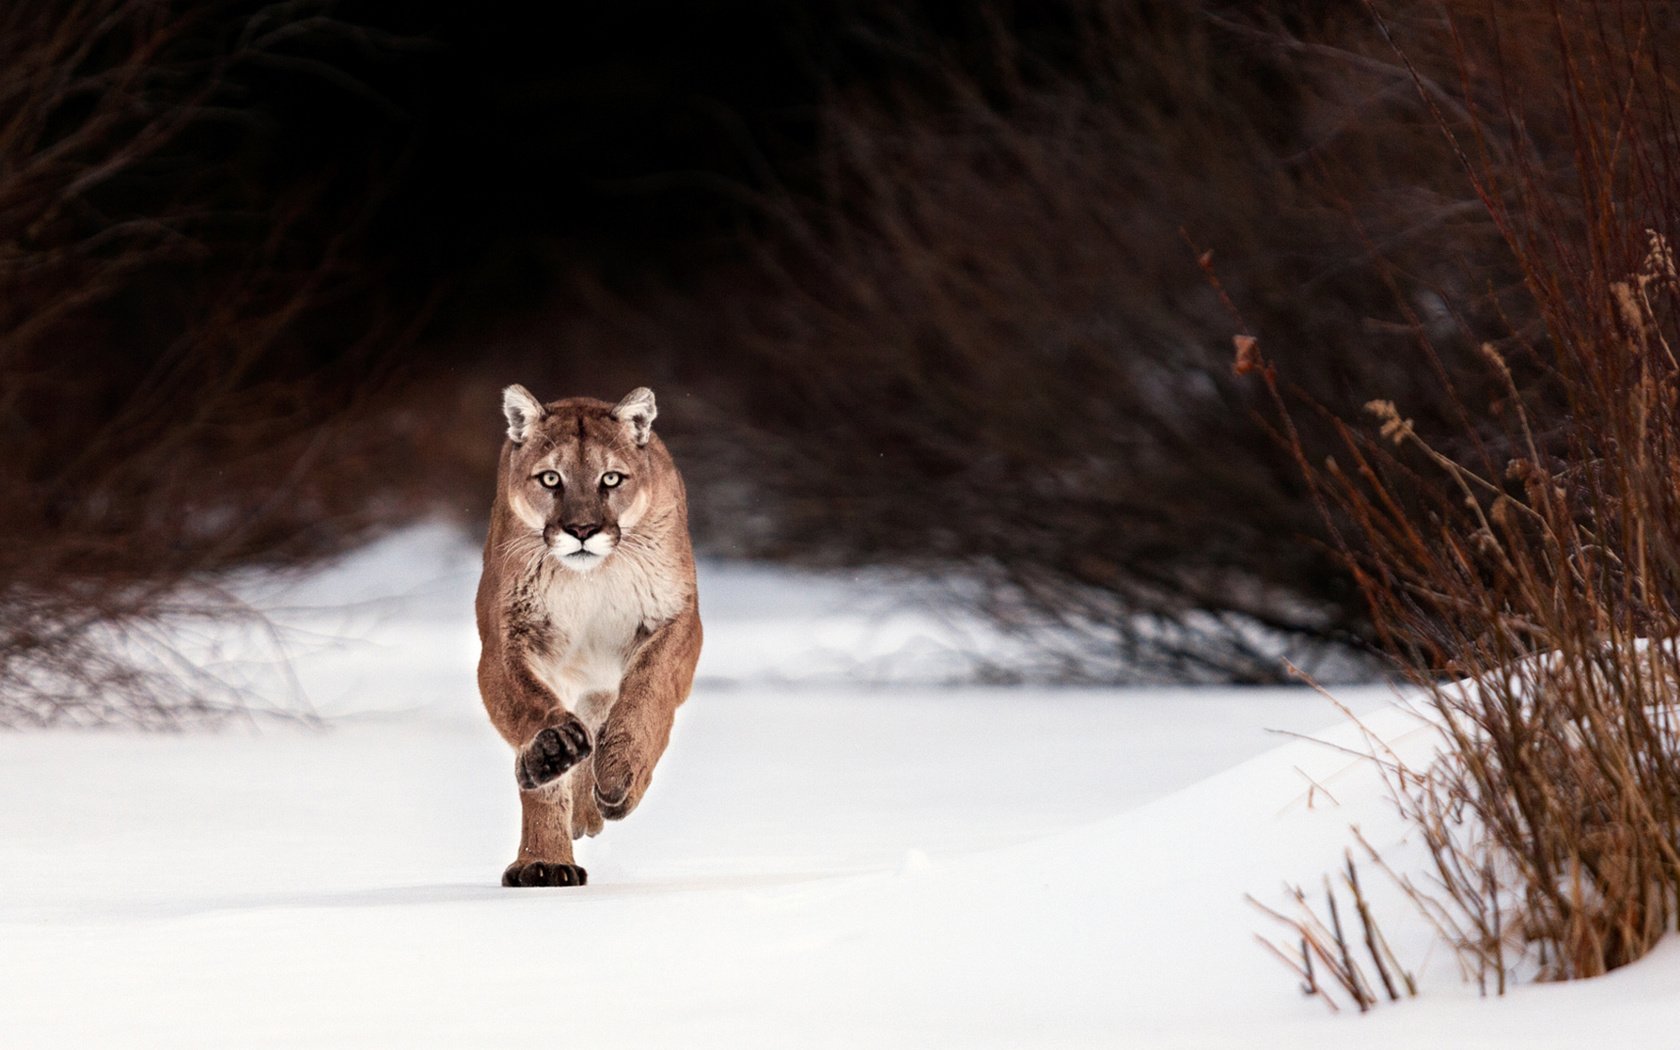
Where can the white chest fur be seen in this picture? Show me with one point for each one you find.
(597, 619)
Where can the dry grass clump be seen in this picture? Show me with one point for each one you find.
(1549, 594)
(1529, 582)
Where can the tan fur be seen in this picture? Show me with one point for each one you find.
(584, 658)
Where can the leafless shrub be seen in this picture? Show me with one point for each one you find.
(987, 346)
(160, 421)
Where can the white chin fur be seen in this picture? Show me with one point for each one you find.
(580, 562)
(581, 557)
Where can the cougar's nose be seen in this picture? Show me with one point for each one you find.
(582, 531)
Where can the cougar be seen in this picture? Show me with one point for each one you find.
(588, 618)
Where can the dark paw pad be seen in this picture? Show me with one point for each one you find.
(544, 873)
(550, 753)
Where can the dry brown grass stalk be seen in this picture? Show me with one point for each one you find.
(1321, 944)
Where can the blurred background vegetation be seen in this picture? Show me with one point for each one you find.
(943, 288)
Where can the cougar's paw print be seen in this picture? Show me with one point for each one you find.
(550, 753)
(544, 873)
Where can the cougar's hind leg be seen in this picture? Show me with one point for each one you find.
(593, 709)
(545, 839)
(585, 814)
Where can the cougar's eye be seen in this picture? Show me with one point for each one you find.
(611, 479)
(549, 479)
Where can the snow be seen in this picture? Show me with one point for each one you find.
(837, 851)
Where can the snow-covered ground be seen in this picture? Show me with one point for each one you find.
(837, 851)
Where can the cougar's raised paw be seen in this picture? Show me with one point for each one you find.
(619, 781)
(615, 808)
(550, 753)
(544, 873)
(615, 797)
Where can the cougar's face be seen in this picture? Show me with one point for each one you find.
(577, 480)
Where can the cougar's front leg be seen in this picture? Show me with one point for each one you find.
(548, 741)
(545, 840)
(639, 725)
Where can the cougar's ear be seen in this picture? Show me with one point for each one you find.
(522, 411)
(637, 411)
